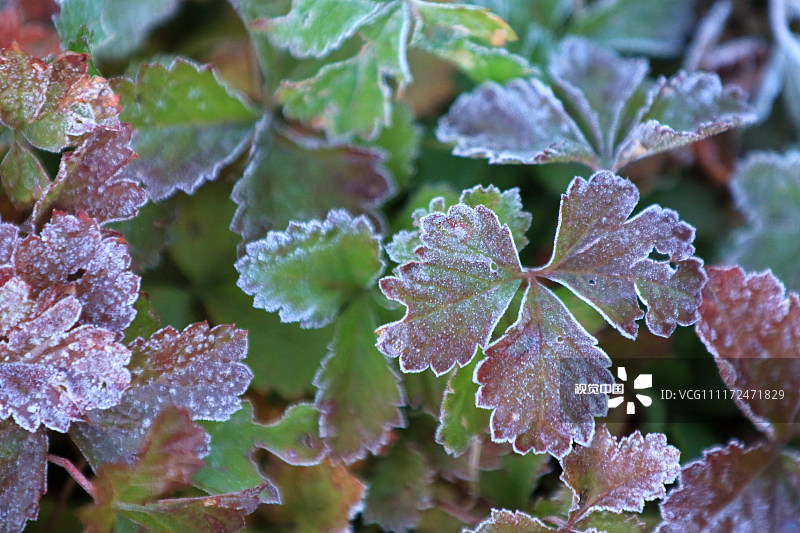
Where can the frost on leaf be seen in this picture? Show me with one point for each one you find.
(503, 521)
(131, 494)
(465, 275)
(308, 271)
(752, 329)
(89, 180)
(359, 394)
(603, 256)
(524, 121)
(766, 188)
(51, 372)
(528, 378)
(620, 475)
(54, 105)
(187, 126)
(72, 251)
(198, 369)
(269, 195)
(507, 205)
(22, 474)
(735, 489)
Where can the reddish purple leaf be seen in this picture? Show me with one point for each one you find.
(603, 257)
(198, 369)
(503, 521)
(22, 474)
(52, 374)
(528, 378)
(466, 274)
(753, 331)
(620, 475)
(736, 489)
(72, 251)
(89, 180)
(55, 105)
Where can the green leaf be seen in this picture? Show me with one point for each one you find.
(230, 466)
(401, 142)
(359, 394)
(146, 321)
(461, 422)
(503, 521)
(23, 176)
(316, 499)
(656, 27)
(23, 465)
(467, 273)
(766, 188)
(344, 98)
(113, 28)
(188, 125)
(270, 194)
(399, 488)
(308, 271)
(511, 485)
(606, 521)
(272, 346)
(314, 28)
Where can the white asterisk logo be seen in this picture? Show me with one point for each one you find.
(642, 381)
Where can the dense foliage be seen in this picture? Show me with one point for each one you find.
(381, 265)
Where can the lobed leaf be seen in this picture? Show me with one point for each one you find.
(603, 257)
(269, 195)
(90, 180)
(23, 464)
(616, 476)
(230, 466)
(465, 276)
(198, 369)
(314, 29)
(766, 189)
(528, 378)
(51, 372)
(735, 489)
(604, 114)
(22, 175)
(72, 251)
(54, 105)
(358, 395)
(308, 271)
(188, 126)
(400, 488)
(753, 331)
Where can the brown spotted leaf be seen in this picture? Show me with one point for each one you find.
(603, 256)
(620, 475)
(72, 251)
(465, 275)
(52, 372)
(198, 369)
(529, 375)
(752, 329)
(735, 489)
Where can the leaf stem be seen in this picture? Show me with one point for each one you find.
(75, 473)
